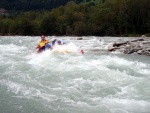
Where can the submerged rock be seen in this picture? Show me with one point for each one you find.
(79, 38)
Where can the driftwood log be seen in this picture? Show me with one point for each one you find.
(137, 40)
(123, 43)
(113, 49)
(146, 42)
(119, 44)
(137, 46)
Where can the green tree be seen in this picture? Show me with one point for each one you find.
(137, 15)
(79, 28)
(7, 26)
(48, 25)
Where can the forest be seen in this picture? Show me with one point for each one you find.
(32, 5)
(103, 18)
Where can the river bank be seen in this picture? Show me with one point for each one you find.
(140, 46)
(127, 45)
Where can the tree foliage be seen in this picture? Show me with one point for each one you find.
(109, 17)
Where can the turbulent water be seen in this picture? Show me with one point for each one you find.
(52, 82)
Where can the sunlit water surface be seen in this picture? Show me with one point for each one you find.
(52, 82)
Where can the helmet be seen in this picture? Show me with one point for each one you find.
(59, 41)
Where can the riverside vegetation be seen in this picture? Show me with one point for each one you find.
(108, 17)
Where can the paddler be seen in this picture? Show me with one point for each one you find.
(59, 42)
(43, 44)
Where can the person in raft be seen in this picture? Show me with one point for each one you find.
(43, 44)
(59, 42)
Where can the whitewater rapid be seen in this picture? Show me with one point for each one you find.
(53, 82)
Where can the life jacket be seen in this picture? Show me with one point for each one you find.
(43, 43)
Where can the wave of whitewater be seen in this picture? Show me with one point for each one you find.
(53, 82)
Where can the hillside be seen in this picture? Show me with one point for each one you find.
(28, 5)
(112, 18)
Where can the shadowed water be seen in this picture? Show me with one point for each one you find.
(52, 82)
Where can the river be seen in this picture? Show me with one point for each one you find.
(51, 82)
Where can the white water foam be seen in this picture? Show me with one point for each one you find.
(71, 82)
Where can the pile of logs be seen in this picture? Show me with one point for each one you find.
(138, 46)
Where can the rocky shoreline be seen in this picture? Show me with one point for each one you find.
(140, 46)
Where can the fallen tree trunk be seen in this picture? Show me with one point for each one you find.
(113, 49)
(137, 40)
(119, 44)
(146, 42)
